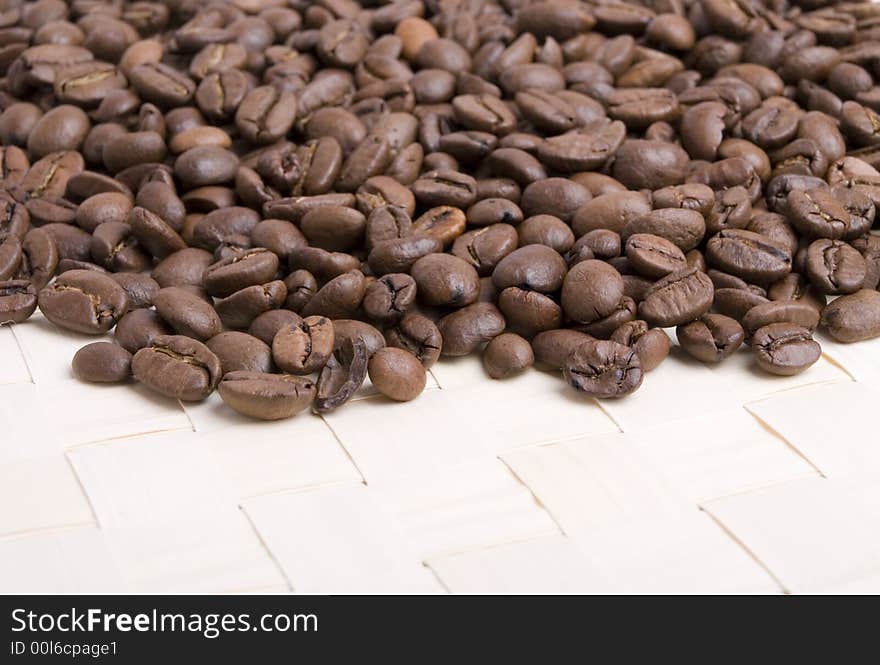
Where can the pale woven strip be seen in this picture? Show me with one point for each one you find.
(708, 480)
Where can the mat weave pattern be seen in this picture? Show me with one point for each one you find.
(708, 480)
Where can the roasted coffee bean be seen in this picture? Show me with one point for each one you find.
(798, 312)
(339, 379)
(749, 255)
(83, 301)
(417, 335)
(485, 248)
(242, 307)
(649, 164)
(18, 300)
(444, 280)
(464, 330)
(535, 267)
(546, 230)
(784, 349)
(652, 345)
(304, 347)
(266, 396)
(265, 114)
(554, 196)
(653, 256)
(854, 317)
(238, 351)
(506, 355)
(711, 338)
(102, 362)
(177, 367)
(399, 254)
(267, 324)
(397, 374)
(213, 229)
(187, 313)
(161, 84)
(248, 268)
(610, 211)
(552, 347)
(681, 296)
(153, 233)
(139, 328)
(682, 227)
(603, 369)
(334, 228)
(834, 267)
(339, 298)
(817, 213)
(591, 291)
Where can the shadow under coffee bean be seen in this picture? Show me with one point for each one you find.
(351, 189)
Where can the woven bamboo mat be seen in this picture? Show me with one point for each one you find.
(708, 480)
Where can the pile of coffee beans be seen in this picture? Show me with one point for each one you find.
(279, 198)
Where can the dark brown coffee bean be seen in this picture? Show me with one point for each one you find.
(265, 114)
(467, 328)
(249, 268)
(554, 196)
(603, 369)
(339, 379)
(304, 347)
(485, 248)
(339, 298)
(652, 345)
(238, 351)
(242, 307)
(507, 355)
(854, 317)
(334, 228)
(797, 312)
(213, 229)
(784, 349)
(748, 255)
(161, 84)
(398, 255)
(62, 128)
(582, 150)
(834, 267)
(679, 297)
(18, 300)
(591, 291)
(153, 233)
(535, 267)
(529, 312)
(649, 164)
(397, 374)
(102, 362)
(115, 248)
(83, 301)
(653, 256)
(346, 330)
(552, 347)
(711, 338)
(682, 227)
(446, 281)
(139, 328)
(187, 313)
(177, 367)
(266, 396)
(610, 211)
(267, 324)
(817, 213)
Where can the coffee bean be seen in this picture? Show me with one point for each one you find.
(653, 256)
(83, 301)
(711, 338)
(266, 396)
(784, 349)
(397, 374)
(603, 369)
(535, 267)
(242, 307)
(177, 367)
(834, 267)
(238, 351)
(679, 297)
(339, 298)
(506, 355)
(748, 255)
(250, 267)
(339, 379)
(591, 291)
(464, 330)
(552, 347)
(304, 347)
(446, 281)
(102, 362)
(18, 300)
(854, 317)
(139, 328)
(652, 345)
(419, 336)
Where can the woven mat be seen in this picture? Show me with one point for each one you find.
(708, 480)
